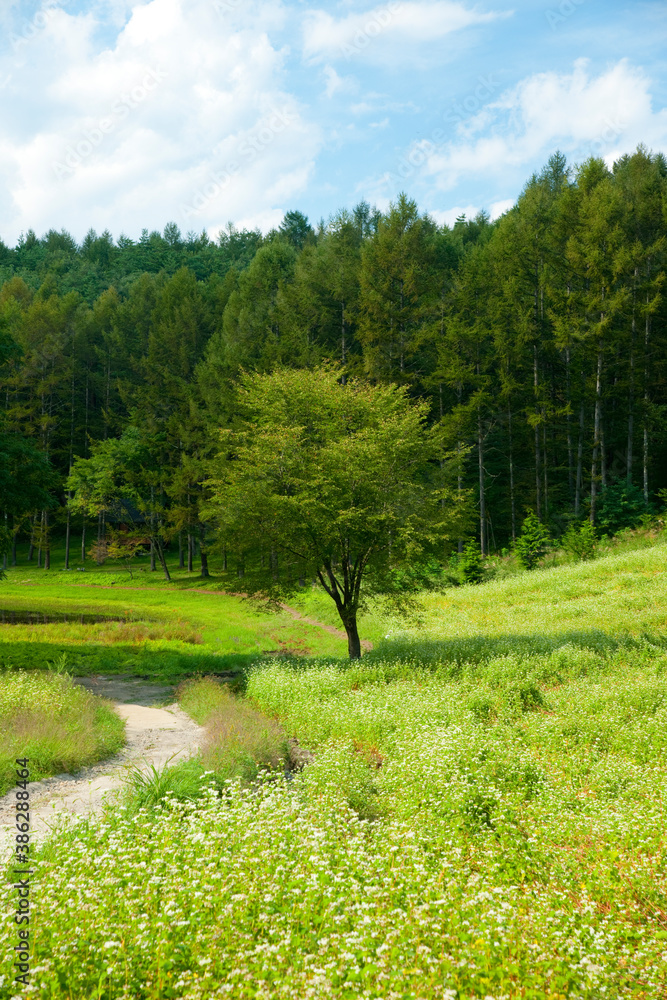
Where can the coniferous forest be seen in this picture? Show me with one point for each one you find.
(539, 342)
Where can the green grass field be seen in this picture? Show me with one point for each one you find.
(176, 629)
(485, 817)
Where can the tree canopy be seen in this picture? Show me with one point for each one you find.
(341, 483)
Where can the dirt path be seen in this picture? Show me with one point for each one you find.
(153, 734)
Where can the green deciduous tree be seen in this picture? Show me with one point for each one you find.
(119, 478)
(335, 482)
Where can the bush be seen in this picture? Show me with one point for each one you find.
(533, 541)
(472, 568)
(580, 540)
(622, 505)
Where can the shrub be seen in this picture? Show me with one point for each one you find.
(533, 541)
(622, 505)
(580, 541)
(472, 568)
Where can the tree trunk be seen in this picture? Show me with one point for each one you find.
(545, 469)
(353, 640)
(482, 495)
(47, 542)
(31, 548)
(224, 559)
(14, 540)
(647, 333)
(71, 460)
(203, 554)
(99, 538)
(67, 535)
(459, 448)
(156, 546)
(631, 390)
(512, 496)
(570, 454)
(83, 543)
(343, 346)
(536, 381)
(190, 548)
(580, 463)
(181, 559)
(596, 434)
(153, 564)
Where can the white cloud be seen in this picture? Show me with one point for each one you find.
(448, 216)
(405, 21)
(584, 116)
(184, 115)
(499, 208)
(336, 84)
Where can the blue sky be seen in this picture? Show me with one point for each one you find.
(125, 114)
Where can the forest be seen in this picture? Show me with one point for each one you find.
(537, 344)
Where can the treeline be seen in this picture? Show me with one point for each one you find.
(538, 340)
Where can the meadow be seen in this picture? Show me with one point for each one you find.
(484, 816)
(167, 632)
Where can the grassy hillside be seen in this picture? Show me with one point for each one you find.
(485, 817)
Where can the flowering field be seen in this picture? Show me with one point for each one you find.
(486, 830)
(485, 817)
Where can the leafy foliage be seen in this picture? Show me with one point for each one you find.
(533, 541)
(581, 540)
(329, 481)
(550, 408)
(622, 505)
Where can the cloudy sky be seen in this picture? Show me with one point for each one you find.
(128, 114)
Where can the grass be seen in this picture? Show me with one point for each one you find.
(146, 789)
(485, 817)
(239, 743)
(173, 630)
(240, 740)
(58, 725)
